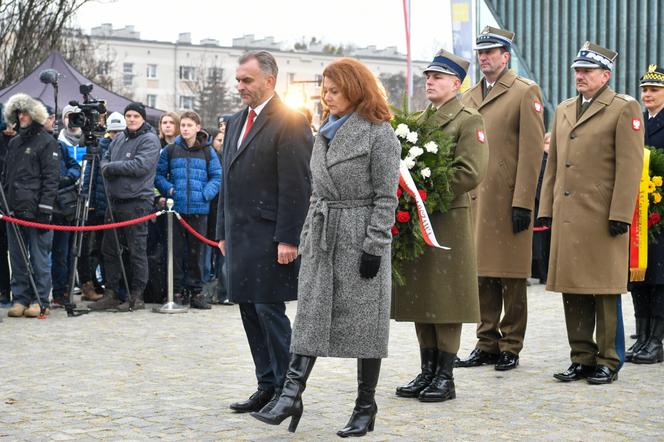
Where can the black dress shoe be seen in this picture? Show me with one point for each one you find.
(255, 402)
(476, 358)
(507, 361)
(602, 375)
(575, 372)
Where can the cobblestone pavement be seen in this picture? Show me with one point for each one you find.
(141, 375)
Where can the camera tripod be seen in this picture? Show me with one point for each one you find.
(90, 160)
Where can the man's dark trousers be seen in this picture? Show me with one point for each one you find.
(269, 333)
(133, 240)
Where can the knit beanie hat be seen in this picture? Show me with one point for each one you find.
(116, 122)
(136, 107)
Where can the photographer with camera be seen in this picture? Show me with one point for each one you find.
(91, 255)
(64, 212)
(129, 169)
(70, 136)
(30, 178)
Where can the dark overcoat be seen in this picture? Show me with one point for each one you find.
(355, 178)
(442, 284)
(654, 137)
(592, 176)
(263, 201)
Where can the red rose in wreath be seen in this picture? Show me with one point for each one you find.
(423, 194)
(403, 216)
(399, 193)
(653, 219)
(395, 230)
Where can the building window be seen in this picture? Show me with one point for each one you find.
(215, 74)
(152, 71)
(151, 100)
(104, 68)
(187, 73)
(127, 74)
(186, 102)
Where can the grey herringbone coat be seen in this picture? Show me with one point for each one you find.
(352, 209)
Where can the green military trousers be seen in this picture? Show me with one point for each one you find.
(601, 315)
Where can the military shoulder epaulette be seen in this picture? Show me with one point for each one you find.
(470, 110)
(527, 81)
(626, 97)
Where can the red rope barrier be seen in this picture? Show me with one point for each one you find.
(191, 230)
(540, 229)
(22, 222)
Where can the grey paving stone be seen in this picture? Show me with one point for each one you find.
(144, 376)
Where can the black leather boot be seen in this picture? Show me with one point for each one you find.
(642, 332)
(364, 414)
(652, 352)
(290, 400)
(428, 363)
(442, 386)
(133, 302)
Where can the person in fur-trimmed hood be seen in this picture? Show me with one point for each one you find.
(30, 179)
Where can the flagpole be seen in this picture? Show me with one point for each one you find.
(409, 72)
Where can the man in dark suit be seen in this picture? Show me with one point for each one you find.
(262, 206)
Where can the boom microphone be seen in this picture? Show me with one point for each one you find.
(49, 76)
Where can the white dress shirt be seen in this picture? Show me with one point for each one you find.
(258, 111)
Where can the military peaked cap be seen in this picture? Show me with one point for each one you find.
(448, 63)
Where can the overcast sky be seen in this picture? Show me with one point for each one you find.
(360, 22)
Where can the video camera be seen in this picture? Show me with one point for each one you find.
(88, 117)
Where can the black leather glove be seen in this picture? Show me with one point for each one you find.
(106, 173)
(545, 222)
(66, 181)
(618, 228)
(369, 265)
(43, 218)
(520, 219)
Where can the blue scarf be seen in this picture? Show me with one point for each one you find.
(333, 124)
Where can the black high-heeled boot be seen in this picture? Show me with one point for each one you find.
(290, 400)
(413, 388)
(642, 334)
(364, 414)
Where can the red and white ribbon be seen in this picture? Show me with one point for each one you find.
(408, 185)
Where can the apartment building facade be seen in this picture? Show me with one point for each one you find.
(171, 76)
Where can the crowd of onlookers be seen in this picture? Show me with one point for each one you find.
(177, 159)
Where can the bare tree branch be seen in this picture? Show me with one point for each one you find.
(29, 30)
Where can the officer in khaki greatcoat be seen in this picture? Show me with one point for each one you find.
(441, 289)
(588, 197)
(512, 110)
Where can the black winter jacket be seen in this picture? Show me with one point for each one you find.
(31, 173)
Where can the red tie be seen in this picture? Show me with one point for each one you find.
(250, 122)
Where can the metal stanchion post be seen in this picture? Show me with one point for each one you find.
(170, 306)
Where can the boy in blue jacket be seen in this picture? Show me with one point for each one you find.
(190, 173)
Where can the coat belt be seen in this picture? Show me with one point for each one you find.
(320, 217)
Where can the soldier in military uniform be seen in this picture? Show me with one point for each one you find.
(512, 110)
(441, 289)
(588, 197)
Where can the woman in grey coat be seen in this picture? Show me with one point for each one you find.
(345, 276)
